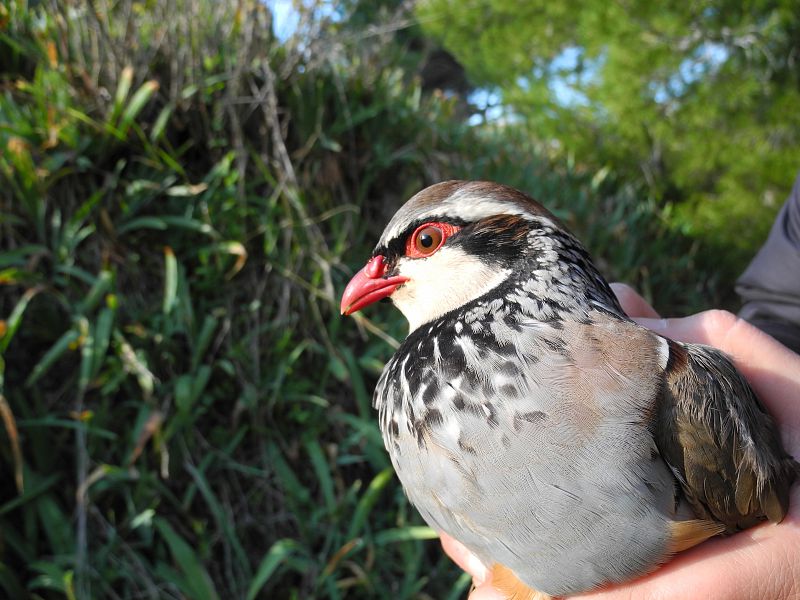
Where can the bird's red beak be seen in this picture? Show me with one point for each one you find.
(369, 285)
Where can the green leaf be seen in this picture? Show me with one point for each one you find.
(102, 337)
(87, 353)
(200, 381)
(405, 534)
(32, 490)
(189, 387)
(143, 223)
(52, 576)
(55, 524)
(197, 582)
(171, 163)
(123, 88)
(164, 223)
(161, 122)
(10, 583)
(277, 554)
(143, 519)
(368, 500)
(136, 104)
(356, 377)
(323, 473)
(78, 273)
(18, 276)
(86, 207)
(96, 293)
(203, 340)
(55, 422)
(183, 393)
(19, 257)
(69, 585)
(223, 520)
(297, 494)
(55, 352)
(15, 318)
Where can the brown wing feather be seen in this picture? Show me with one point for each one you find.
(720, 442)
(687, 534)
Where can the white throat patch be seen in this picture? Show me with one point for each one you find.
(442, 282)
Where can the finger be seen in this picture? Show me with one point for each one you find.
(464, 558)
(632, 303)
(772, 369)
(720, 329)
(470, 563)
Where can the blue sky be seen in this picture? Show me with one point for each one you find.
(565, 88)
(285, 17)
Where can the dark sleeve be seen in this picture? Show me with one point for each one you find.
(770, 286)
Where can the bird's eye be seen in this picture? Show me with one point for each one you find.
(428, 238)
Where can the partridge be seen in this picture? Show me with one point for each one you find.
(529, 418)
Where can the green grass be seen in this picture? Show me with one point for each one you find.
(185, 413)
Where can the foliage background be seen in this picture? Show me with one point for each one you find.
(184, 196)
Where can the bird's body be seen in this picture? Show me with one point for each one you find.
(524, 466)
(531, 420)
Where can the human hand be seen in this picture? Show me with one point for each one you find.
(761, 562)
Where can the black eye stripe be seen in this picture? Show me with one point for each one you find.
(395, 247)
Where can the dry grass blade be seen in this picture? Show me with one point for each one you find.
(151, 428)
(13, 437)
(340, 554)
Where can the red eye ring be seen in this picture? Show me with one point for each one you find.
(428, 238)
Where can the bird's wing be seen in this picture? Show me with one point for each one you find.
(723, 447)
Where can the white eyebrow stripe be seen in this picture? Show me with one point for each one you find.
(469, 207)
(463, 205)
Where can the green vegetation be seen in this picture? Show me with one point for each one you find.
(182, 199)
(695, 100)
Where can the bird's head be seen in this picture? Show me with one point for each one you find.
(451, 243)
